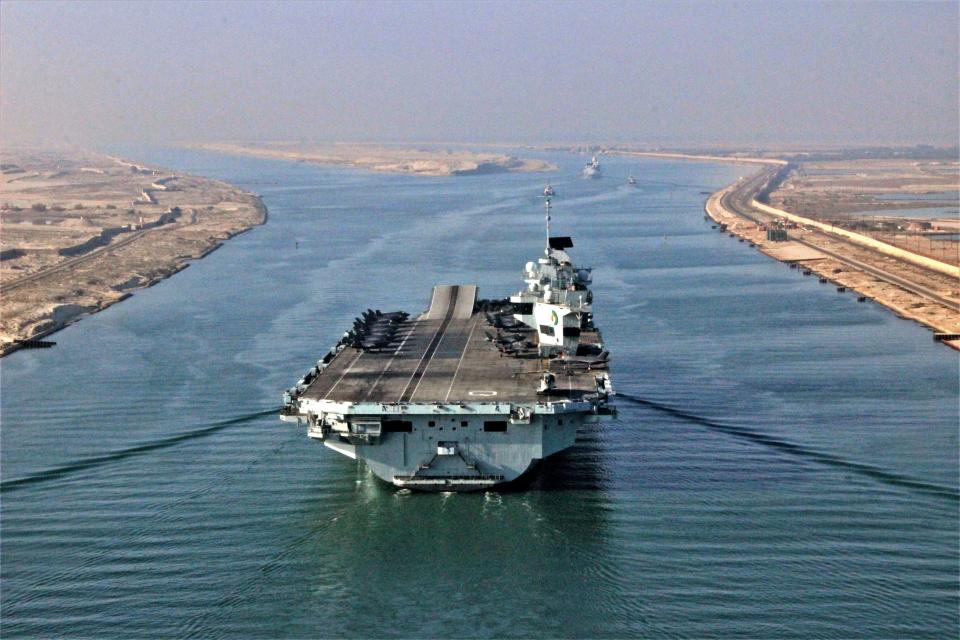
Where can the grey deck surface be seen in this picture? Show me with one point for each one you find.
(442, 356)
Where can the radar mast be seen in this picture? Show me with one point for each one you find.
(547, 206)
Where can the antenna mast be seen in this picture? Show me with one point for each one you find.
(547, 206)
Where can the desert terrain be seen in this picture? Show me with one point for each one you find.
(423, 162)
(79, 231)
(845, 222)
(912, 204)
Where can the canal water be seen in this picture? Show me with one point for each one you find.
(784, 464)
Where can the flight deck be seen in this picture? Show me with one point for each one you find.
(447, 356)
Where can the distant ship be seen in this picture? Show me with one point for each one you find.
(592, 169)
(549, 192)
(470, 394)
(631, 181)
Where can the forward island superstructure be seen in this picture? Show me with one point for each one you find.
(470, 394)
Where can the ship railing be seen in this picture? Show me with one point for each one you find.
(414, 480)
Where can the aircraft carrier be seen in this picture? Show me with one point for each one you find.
(470, 394)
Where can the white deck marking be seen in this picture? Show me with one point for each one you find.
(460, 362)
(392, 358)
(343, 375)
(424, 374)
(450, 308)
(425, 350)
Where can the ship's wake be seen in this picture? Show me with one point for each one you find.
(870, 471)
(83, 464)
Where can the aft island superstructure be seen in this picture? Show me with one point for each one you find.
(471, 393)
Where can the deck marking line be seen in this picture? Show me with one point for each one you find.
(432, 346)
(423, 374)
(392, 358)
(460, 362)
(343, 375)
(409, 380)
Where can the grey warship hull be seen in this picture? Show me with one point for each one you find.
(441, 407)
(470, 394)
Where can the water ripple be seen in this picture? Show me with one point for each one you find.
(866, 470)
(69, 468)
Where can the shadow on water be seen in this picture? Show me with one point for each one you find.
(866, 470)
(367, 536)
(96, 461)
(436, 548)
(579, 468)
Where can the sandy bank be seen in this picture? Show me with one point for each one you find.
(423, 162)
(80, 231)
(700, 157)
(841, 261)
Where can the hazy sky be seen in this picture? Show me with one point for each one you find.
(646, 72)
